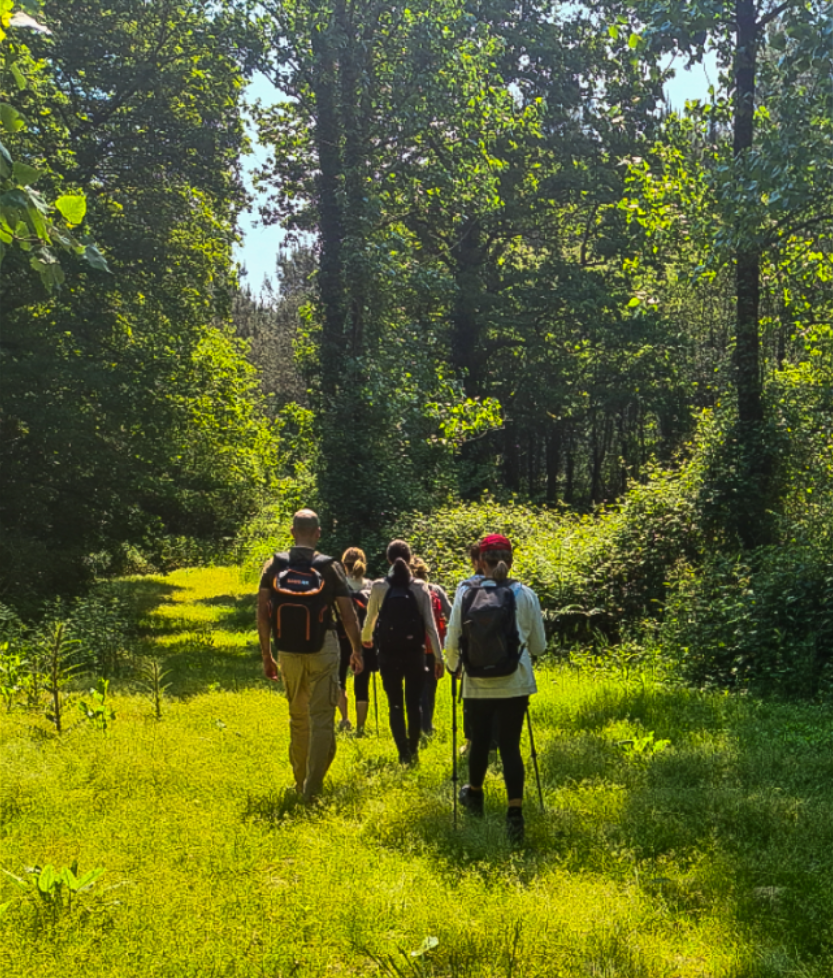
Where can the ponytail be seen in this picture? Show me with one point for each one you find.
(501, 572)
(355, 562)
(400, 575)
(499, 562)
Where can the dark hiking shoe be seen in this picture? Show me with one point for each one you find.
(515, 826)
(472, 801)
(405, 757)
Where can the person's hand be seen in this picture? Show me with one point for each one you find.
(439, 669)
(270, 668)
(368, 645)
(357, 662)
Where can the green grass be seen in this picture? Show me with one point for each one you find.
(710, 857)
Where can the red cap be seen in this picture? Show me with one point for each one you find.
(495, 542)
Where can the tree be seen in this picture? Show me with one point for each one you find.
(747, 187)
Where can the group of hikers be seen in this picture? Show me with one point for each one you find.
(327, 620)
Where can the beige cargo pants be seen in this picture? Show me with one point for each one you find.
(311, 684)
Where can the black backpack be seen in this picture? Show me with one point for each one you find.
(490, 643)
(360, 602)
(400, 628)
(299, 612)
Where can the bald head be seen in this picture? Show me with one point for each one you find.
(305, 528)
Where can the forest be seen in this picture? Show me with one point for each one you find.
(519, 292)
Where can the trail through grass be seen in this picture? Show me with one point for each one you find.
(711, 855)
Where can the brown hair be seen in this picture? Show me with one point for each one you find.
(499, 563)
(420, 568)
(355, 562)
(398, 554)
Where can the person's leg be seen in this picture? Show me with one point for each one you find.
(345, 651)
(392, 679)
(429, 696)
(361, 691)
(511, 715)
(480, 713)
(414, 684)
(296, 686)
(322, 668)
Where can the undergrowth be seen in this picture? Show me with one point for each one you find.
(685, 834)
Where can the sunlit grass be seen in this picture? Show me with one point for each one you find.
(709, 856)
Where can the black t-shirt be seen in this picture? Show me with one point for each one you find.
(335, 580)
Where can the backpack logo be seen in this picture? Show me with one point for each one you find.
(490, 644)
(300, 614)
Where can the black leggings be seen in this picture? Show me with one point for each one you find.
(361, 683)
(508, 715)
(410, 670)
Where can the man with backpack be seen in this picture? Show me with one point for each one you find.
(496, 628)
(297, 594)
(442, 612)
(400, 623)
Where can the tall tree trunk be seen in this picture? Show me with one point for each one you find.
(750, 519)
(553, 461)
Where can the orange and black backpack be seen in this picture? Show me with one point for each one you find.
(299, 612)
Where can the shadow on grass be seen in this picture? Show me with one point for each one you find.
(193, 652)
(142, 596)
(236, 614)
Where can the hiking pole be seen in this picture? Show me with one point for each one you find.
(454, 743)
(534, 759)
(376, 703)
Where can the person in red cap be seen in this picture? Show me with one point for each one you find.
(496, 627)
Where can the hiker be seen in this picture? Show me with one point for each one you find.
(298, 591)
(476, 575)
(442, 612)
(355, 564)
(496, 628)
(399, 617)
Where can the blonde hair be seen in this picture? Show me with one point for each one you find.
(419, 568)
(499, 563)
(355, 562)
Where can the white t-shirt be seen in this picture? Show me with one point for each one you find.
(533, 641)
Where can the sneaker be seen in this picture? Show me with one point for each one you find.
(345, 725)
(359, 731)
(515, 826)
(472, 801)
(405, 757)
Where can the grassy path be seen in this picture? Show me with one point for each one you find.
(709, 856)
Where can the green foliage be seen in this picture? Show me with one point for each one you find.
(148, 424)
(96, 710)
(722, 835)
(56, 891)
(26, 218)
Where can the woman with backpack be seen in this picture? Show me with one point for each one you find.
(496, 628)
(355, 564)
(400, 623)
(442, 612)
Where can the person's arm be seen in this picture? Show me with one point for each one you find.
(350, 620)
(377, 592)
(264, 634)
(455, 630)
(533, 620)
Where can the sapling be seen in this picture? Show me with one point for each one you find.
(55, 890)
(154, 677)
(57, 651)
(96, 709)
